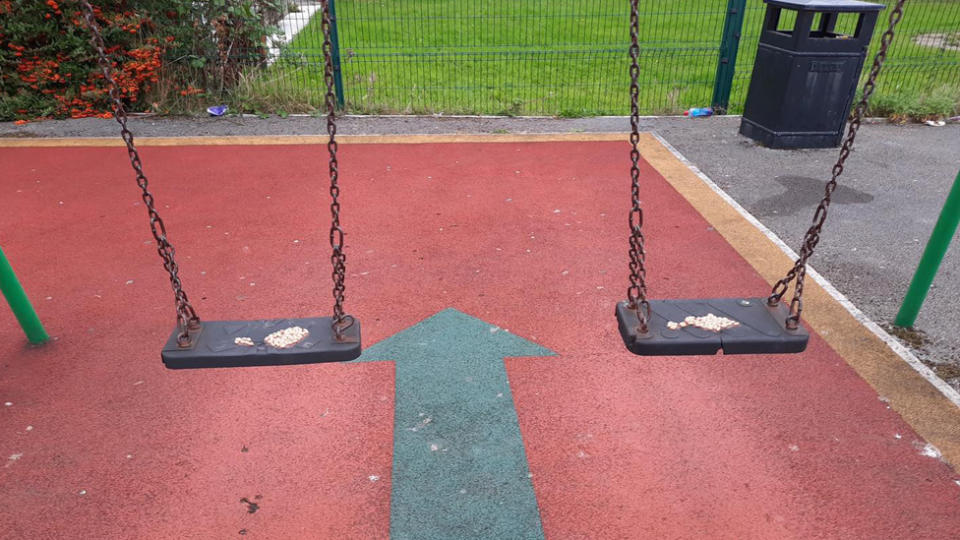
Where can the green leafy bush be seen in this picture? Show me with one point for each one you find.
(160, 49)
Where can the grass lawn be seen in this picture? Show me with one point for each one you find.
(566, 57)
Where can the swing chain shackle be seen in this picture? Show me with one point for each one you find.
(812, 236)
(637, 291)
(340, 321)
(187, 320)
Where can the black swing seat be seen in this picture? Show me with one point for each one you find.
(215, 344)
(761, 328)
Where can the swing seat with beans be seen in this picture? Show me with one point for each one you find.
(754, 327)
(735, 325)
(204, 344)
(215, 344)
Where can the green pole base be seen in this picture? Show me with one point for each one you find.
(933, 255)
(20, 304)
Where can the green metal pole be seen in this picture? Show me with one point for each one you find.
(727, 61)
(932, 257)
(335, 52)
(19, 303)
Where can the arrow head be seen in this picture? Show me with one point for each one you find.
(452, 331)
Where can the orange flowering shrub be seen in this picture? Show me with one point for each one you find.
(48, 68)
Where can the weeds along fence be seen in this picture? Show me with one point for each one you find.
(567, 57)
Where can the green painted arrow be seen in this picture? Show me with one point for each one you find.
(459, 468)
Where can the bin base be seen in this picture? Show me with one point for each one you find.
(790, 139)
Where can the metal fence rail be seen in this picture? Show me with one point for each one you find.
(566, 57)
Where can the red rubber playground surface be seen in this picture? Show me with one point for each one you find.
(98, 440)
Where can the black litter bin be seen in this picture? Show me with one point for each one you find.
(805, 75)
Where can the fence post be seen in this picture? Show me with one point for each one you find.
(19, 303)
(335, 52)
(932, 257)
(727, 61)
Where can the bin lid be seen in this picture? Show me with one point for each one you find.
(827, 5)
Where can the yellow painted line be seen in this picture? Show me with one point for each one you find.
(242, 140)
(931, 414)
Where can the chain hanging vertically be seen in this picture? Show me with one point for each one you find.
(187, 319)
(338, 259)
(812, 236)
(637, 292)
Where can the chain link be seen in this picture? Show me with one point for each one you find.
(637, 291)
(187, 319)
(812, 237)
(338, 258)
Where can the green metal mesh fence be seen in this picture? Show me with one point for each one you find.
(563, 57)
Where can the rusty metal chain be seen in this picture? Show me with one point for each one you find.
(338, 258)
(637, 291)
(187, 319)
(812, 237)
